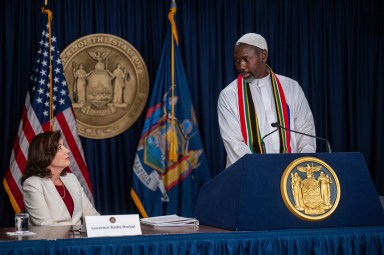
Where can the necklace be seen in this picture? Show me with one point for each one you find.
(63, 196)
(59, 187)
(59, 183)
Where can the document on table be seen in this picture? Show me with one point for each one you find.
(169, 221)
(25, 233)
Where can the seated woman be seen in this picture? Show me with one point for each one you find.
(51, 195)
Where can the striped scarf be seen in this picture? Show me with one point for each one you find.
(248, 117)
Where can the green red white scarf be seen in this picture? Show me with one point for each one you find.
(248, 117)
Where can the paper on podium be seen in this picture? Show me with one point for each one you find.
(169, 221)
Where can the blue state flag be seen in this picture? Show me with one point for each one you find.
(170, 165)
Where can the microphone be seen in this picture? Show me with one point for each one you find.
(276, 124)
(262, 139)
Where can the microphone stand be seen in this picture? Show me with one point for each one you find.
(262, 139)
(316, 137)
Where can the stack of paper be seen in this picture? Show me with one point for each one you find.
(169, 221)
(25, 233)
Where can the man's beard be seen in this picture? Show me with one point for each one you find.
(250, 79)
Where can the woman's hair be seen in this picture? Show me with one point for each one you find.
(41, 152)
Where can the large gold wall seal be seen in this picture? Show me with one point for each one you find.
(310, 189)
(108, 84)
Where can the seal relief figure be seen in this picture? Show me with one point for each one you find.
(108, 83)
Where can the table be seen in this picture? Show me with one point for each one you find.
(198, 240)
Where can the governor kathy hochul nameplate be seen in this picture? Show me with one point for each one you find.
(113, 225)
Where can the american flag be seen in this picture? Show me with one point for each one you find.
(36, 119)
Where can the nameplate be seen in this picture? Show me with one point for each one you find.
(113, 225)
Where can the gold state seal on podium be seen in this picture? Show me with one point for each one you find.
(310, 189)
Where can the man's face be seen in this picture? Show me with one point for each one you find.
(250, 61)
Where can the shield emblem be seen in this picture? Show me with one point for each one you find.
(99, 89)
(156, 149)
(311, 194)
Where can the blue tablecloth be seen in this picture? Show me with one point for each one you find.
(369, 240)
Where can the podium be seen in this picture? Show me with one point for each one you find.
(246, 196)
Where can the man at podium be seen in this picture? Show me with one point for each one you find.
(258, 98)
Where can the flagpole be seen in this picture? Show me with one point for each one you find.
(174, 37)
(170, 165)
(49, 13)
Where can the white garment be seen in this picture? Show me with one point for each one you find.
(301, 118)
(46, 207)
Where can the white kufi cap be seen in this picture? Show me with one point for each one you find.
(253, 39)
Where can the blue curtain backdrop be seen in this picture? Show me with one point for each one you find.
(334, 49)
